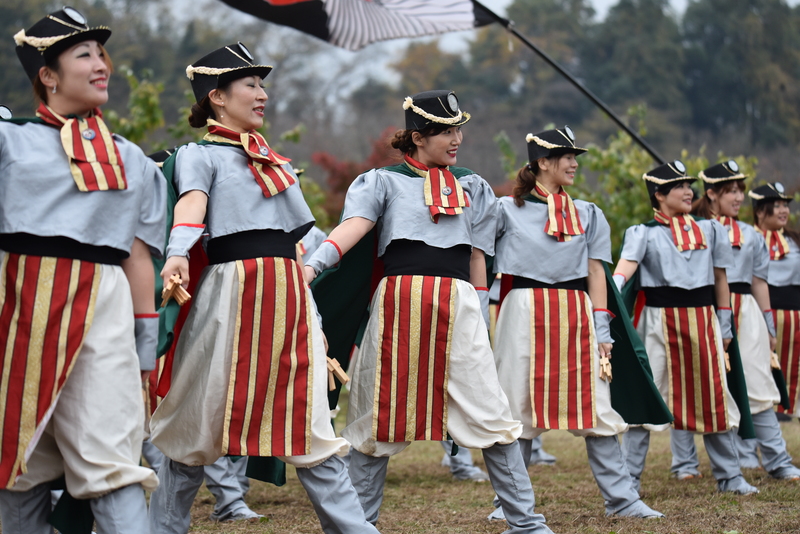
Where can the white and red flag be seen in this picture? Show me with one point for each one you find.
(353, 24)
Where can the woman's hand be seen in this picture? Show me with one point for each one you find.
(309, 274)
(176, 265)
(726, 343)
(773, 342)
(605, 349)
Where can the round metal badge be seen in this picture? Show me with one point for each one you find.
(733, 166)
(5, 113)
(74, 15)
(570, 133)
(446, 191)
(678, 164)
(686, 227)
(88, 134)
(779, 188)
(452, 101)
(264, 151)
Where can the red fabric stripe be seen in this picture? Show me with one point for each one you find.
(442, 328)
(402, 369)
(58, 302)
(704, 372)
(538, 303)
(263, 353)
(424, 361)
(303, 351)
(555, 348)
(574, 397)
(736, 304)
(245, 350)
(789, 352)
(387, 341)
(719, 390)
(80, 158)
(12, 403)
(673, 346)
(281, 399)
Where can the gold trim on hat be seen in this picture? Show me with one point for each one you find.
(43, 43)
(738, 176)
(409, 103)
(662, 181)
(545, 144)
(191, 70)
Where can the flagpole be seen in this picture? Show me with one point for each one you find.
(509, 26)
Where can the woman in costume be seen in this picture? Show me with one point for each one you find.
(681, 266)
(771, 213)
(250, 373)
(425, 367)
(755, 328)
(563, 298)
(81, 212)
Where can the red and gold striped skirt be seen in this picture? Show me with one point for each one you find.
(695, 367)
(562, 360)
(415, 326)
(46, 309)
(787, 323)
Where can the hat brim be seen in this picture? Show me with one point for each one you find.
(243, 72)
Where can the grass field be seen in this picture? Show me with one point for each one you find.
(422, 497)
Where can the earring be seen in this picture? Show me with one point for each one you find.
(54, 88)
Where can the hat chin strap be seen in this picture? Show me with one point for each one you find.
(409, 103)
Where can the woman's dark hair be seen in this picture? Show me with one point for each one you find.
(40, 90)
(766, 208)
(202, 111)
(702, 207)
(526, 179)
(403, 142)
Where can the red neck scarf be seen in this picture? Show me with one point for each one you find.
(686, 233)
(93, 155)
(734, 232)
(776, 242)
(563, 221)
(265, 163)
(443, 193)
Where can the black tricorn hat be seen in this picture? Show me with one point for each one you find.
(221, 67)
(440, 107)
(552, 143)
(46, 39)
(768, 193)
(673, 172)
(727, 171)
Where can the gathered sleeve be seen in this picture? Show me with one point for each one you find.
(194, 170)
(634, 245)
(598, 235)
(366, 197)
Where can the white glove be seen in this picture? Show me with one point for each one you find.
(619, 281)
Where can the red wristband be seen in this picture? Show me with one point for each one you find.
(622, 275)
(481, 288)
(605, 310)
(723, 308)
(189, 225)
(145, 315)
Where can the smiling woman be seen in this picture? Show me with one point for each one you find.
(81, 213)
(250, 373)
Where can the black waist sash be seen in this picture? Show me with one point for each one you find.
(252, 244)
(743, 288)
(406, 257)
(676, 297)
(60, 247)
(520, 282)
(784, 297)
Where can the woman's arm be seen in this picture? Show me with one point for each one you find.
(602, 317)
(625, 269)
(345, 236)
(760, 290)
(138, 268)
(477, 277)
(190, 210)
(723, 297)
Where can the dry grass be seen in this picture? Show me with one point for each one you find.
(422, 497)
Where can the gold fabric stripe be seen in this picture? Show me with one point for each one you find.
(415, 319)
(234, 360)
(300, 285)
(255, 341)
(278, 333)
(547, 350)
(563, 361)
(450, 327)
(531, 373)
(395, 336)
(281, 271)
(378, 360)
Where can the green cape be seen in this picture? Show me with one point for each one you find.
(735, 377)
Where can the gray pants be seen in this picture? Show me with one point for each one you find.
(721, 449)
(327, 485)
(123, 511)
(461, 465)
(227, 482)
(506, 470)
(769, 440)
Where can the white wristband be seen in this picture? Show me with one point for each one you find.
(619, 281)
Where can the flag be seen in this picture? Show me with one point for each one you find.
(353, 24)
